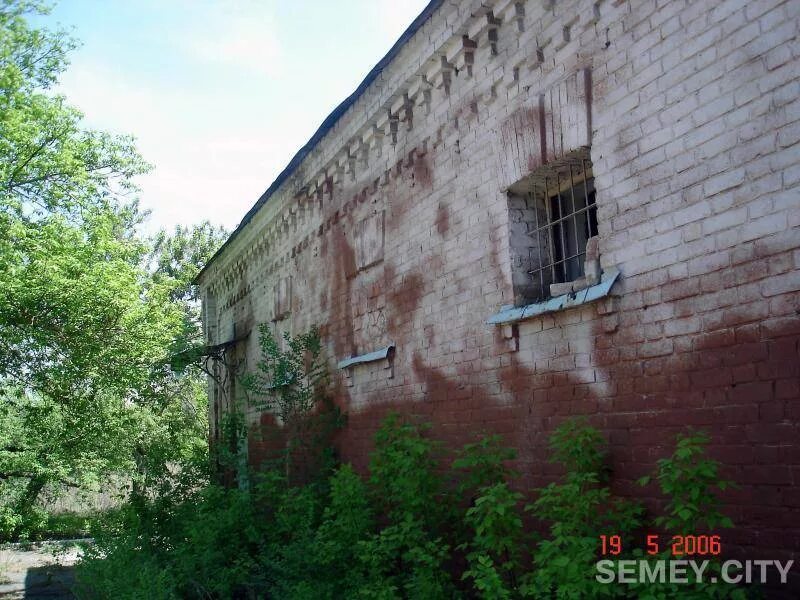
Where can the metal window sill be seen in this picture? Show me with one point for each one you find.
(373, 356)
(515, 314)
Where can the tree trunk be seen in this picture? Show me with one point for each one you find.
(32, 491)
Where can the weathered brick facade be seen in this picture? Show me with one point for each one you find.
(393, 229)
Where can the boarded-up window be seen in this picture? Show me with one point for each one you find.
(282, 298)
(369, 241)
(567, 116)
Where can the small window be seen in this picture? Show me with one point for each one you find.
(552, 217)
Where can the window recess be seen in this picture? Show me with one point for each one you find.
(553, 230)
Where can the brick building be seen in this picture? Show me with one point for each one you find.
(536, 209)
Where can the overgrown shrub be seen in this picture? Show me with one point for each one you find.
(291, 381)
(203, 546)
(346, 522)
(493, 554)
(482, 463)
(407, 556)
(579, 509)
(690, 482)
(412, 529)
(21, 523)
(492, 532)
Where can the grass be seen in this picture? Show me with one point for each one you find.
(63, 526)
(69, 525)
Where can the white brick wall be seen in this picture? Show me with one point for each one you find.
(696, 156)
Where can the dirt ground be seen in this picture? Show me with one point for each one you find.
(38, 571)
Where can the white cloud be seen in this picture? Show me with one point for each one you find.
(225, 107)
(236, 40)
(199, 174)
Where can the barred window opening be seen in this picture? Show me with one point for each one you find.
(553, 216)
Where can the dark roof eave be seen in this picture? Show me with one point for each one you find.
(323, 129)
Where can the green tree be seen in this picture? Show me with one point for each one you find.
(178, 434)
(180, 255)
(89, 310)
(175, 259)
(50, 164)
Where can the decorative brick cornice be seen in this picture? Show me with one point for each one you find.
(357, 147)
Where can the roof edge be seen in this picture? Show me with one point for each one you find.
(323, 129)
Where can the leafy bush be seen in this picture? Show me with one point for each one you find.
(401, 532)
(347, 521)
(71, 525)
(125, 561)
(409, 552)
(200, 547)
(403, 471)
(481, 464)
(689, 481)
(494, 552)
(22, 522)
(579, 509)
(291, 382)
(492, 528)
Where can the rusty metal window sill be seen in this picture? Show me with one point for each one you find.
(514, 314)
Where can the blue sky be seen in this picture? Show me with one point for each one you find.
(220, 94)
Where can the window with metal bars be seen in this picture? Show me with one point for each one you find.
(553, 215)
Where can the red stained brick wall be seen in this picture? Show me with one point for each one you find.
(695, 144)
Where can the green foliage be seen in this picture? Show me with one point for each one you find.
(22, 523)
(89, 311)
(579, 509)
(220, 535)
(292, 381)
(483, 463)
(174, 260)
(490, 532)
(494, 552)
(229, 452)
(48, 161)
(408, 554)
(579, 447)
(177, 257)
(389, 536)
(224, 543)
(689, 481)
(403, 469)
(37, 524)
(289, 381)
(71, 525)
(201, 546)
(346, 521)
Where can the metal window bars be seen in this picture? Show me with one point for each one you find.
(562, 216)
